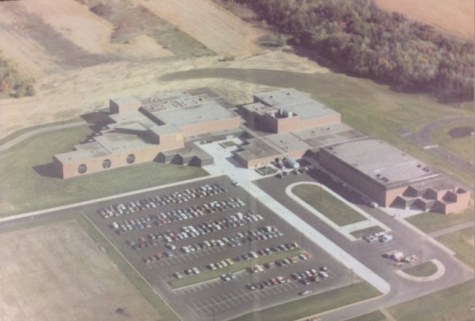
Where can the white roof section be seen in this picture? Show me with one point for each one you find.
(381, 161)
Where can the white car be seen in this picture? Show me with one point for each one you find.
(323, 274)
(305, 292)
(370, 238)
(386, 238)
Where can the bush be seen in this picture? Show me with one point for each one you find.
(12, 79)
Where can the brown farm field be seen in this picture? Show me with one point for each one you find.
(454, 17)
(56, 272)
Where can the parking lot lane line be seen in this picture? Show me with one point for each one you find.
(196, 312)
(210, 310)
(232, 302)
(277, 289)
(261, 294)
(225, 303)
(273, 290)
(249, 295)
(203, 313)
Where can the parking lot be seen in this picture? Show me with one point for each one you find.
(183, 239)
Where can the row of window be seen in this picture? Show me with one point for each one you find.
(106, 164)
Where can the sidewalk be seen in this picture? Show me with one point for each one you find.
(343, 230)
(224, 162)
(150, 189)
(32, 133)
(451, 229)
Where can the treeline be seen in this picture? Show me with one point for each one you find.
(12, 82)
(366, 41)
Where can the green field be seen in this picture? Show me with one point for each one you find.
(236, 267)
(32, 128)
(422, 270)
(453, 304)
(461, 242)
(308, 306)
(373, 109)
(327, 204)
(27, 184)
(432, 222)
(462, 147)
(373, 316)
(366, 231)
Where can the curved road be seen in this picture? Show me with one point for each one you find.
(32, 133)
(423, 138)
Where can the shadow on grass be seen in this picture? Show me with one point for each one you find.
(47, 170)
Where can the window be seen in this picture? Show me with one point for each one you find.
(131, 159)
(82, 169)
(106, 163)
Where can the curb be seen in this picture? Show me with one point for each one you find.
(437, 275)
(150, 189)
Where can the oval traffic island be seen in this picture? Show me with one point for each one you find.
(424, 272)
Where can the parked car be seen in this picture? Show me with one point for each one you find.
(306, 292)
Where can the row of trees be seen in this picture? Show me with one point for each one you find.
(12, 82)
(369, 42)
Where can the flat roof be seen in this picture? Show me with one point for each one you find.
(83, 152)
(119, 142)
(210, 110)
(133, 126)
(131, 117)
(295, 101)
(381, 162)
(259, 108)
(167, 129)
(257, 149)
(120, 101)
(328, 135)
(285, 143)
(157, 98)
(189, 150)
(283, 97)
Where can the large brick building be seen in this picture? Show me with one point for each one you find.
(140, 130)
(282, 123)
(390, 177)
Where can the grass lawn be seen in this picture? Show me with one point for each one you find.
(461, 242)
(453, 303)
(124, 266)
(236, 267)
(366, 231)
(32, 128)
(432, 222)
(311, 305)
(327, 204)
(373, 109)
(421, 270)
(462, 147)
(373, 316)
(26, 185)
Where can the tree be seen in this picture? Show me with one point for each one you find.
(20, 92)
